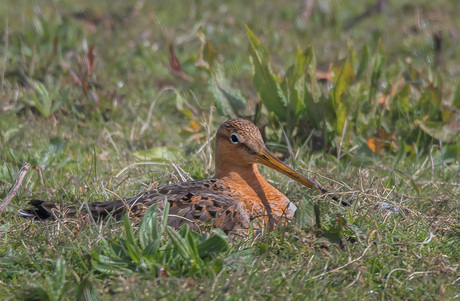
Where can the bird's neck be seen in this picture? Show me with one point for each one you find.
(248, 180)
(251, 182)
(248, 173)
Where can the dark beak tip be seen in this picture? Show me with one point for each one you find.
(345, 203)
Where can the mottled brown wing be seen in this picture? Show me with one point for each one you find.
(197, 203)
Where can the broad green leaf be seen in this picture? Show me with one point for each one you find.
(343, 81)
(265, 82)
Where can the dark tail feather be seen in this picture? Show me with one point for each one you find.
(41, 212)
(98, 210)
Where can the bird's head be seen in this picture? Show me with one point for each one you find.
(239, 143)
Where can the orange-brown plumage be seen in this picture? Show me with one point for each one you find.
(237, 195)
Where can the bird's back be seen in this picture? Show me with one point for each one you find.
(197, 203)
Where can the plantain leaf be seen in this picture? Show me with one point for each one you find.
(192, 246)
(180, 244)
(148, 231)
(131, 245)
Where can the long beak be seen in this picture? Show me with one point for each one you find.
(267, 159)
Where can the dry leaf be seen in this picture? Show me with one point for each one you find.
(174, 64)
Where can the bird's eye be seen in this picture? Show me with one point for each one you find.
(234, 138)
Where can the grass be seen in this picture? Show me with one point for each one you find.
(89, 99)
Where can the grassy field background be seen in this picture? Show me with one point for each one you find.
(370, 109)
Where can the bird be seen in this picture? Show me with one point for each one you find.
(236, 198)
